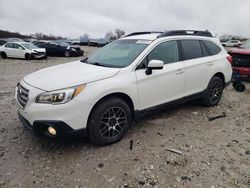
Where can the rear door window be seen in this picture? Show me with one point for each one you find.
(213, 48)
(191, 49)
(9, 45)
(240, 60)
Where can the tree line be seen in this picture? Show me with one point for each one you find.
(110, 35)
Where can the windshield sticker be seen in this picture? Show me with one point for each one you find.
(143, 41)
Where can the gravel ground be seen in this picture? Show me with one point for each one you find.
(174, 147)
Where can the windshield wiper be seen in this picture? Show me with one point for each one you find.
(98, 64)
(92, 63)
(85, 60)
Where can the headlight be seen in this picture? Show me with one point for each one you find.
(59, 96)
(73, 49)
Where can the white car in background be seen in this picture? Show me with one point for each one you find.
(23, 50)
(101, 94)
(231, 43)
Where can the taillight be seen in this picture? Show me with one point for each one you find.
(230, 59)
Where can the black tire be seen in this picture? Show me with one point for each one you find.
(27, 56)
(213, 92)
(234, 84)
(240, 87)
(67, 53)
(109, 121)
(4, 56)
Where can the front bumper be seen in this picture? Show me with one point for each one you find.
(76, 53)
(39, 55)
(69, 117)
(40, 128)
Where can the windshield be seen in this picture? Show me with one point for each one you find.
(29, 46)
(119, 53)
(61, 43)
(246, 44)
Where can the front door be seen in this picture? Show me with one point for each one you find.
(162, 85)
(19, 51)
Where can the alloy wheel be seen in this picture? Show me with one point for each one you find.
(112, 122)
(215, 92)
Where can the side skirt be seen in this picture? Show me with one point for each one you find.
(140, 113)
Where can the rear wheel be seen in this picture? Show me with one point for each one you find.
(3, 55)
(67, 53)
(213, 92)
(109, 121)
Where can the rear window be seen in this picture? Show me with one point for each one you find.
(241, 60)
(191, 49)
(213, 48)
(246, 44)
(204, 50)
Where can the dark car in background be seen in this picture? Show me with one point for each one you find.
(60, 48)
(38, 42)
(84, 42)
(98, 42)
(2, 42)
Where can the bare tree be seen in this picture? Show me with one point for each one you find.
(110, 35)
(119, 33)
(85, 37)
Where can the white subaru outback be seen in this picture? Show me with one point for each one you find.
(99, 95)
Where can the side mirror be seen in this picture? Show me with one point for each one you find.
(154, 65)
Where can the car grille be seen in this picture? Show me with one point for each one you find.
(22, 95)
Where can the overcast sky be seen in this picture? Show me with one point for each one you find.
(73, 18)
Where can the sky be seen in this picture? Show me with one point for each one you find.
(73, 18)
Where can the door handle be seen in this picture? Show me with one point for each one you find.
(210, 63)
(179, 71)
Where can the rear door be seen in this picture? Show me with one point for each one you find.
(162, 85)
(51, 49)
(197, 63)
(9, 50)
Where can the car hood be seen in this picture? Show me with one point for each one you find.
(39, 50)
(68, 75)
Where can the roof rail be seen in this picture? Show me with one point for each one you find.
(186, 32)
(142, 33)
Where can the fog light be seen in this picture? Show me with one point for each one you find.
(52, 131)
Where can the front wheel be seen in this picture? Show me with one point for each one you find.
(28, 56)
(109, 121)
(67, 53)
(213, 92)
